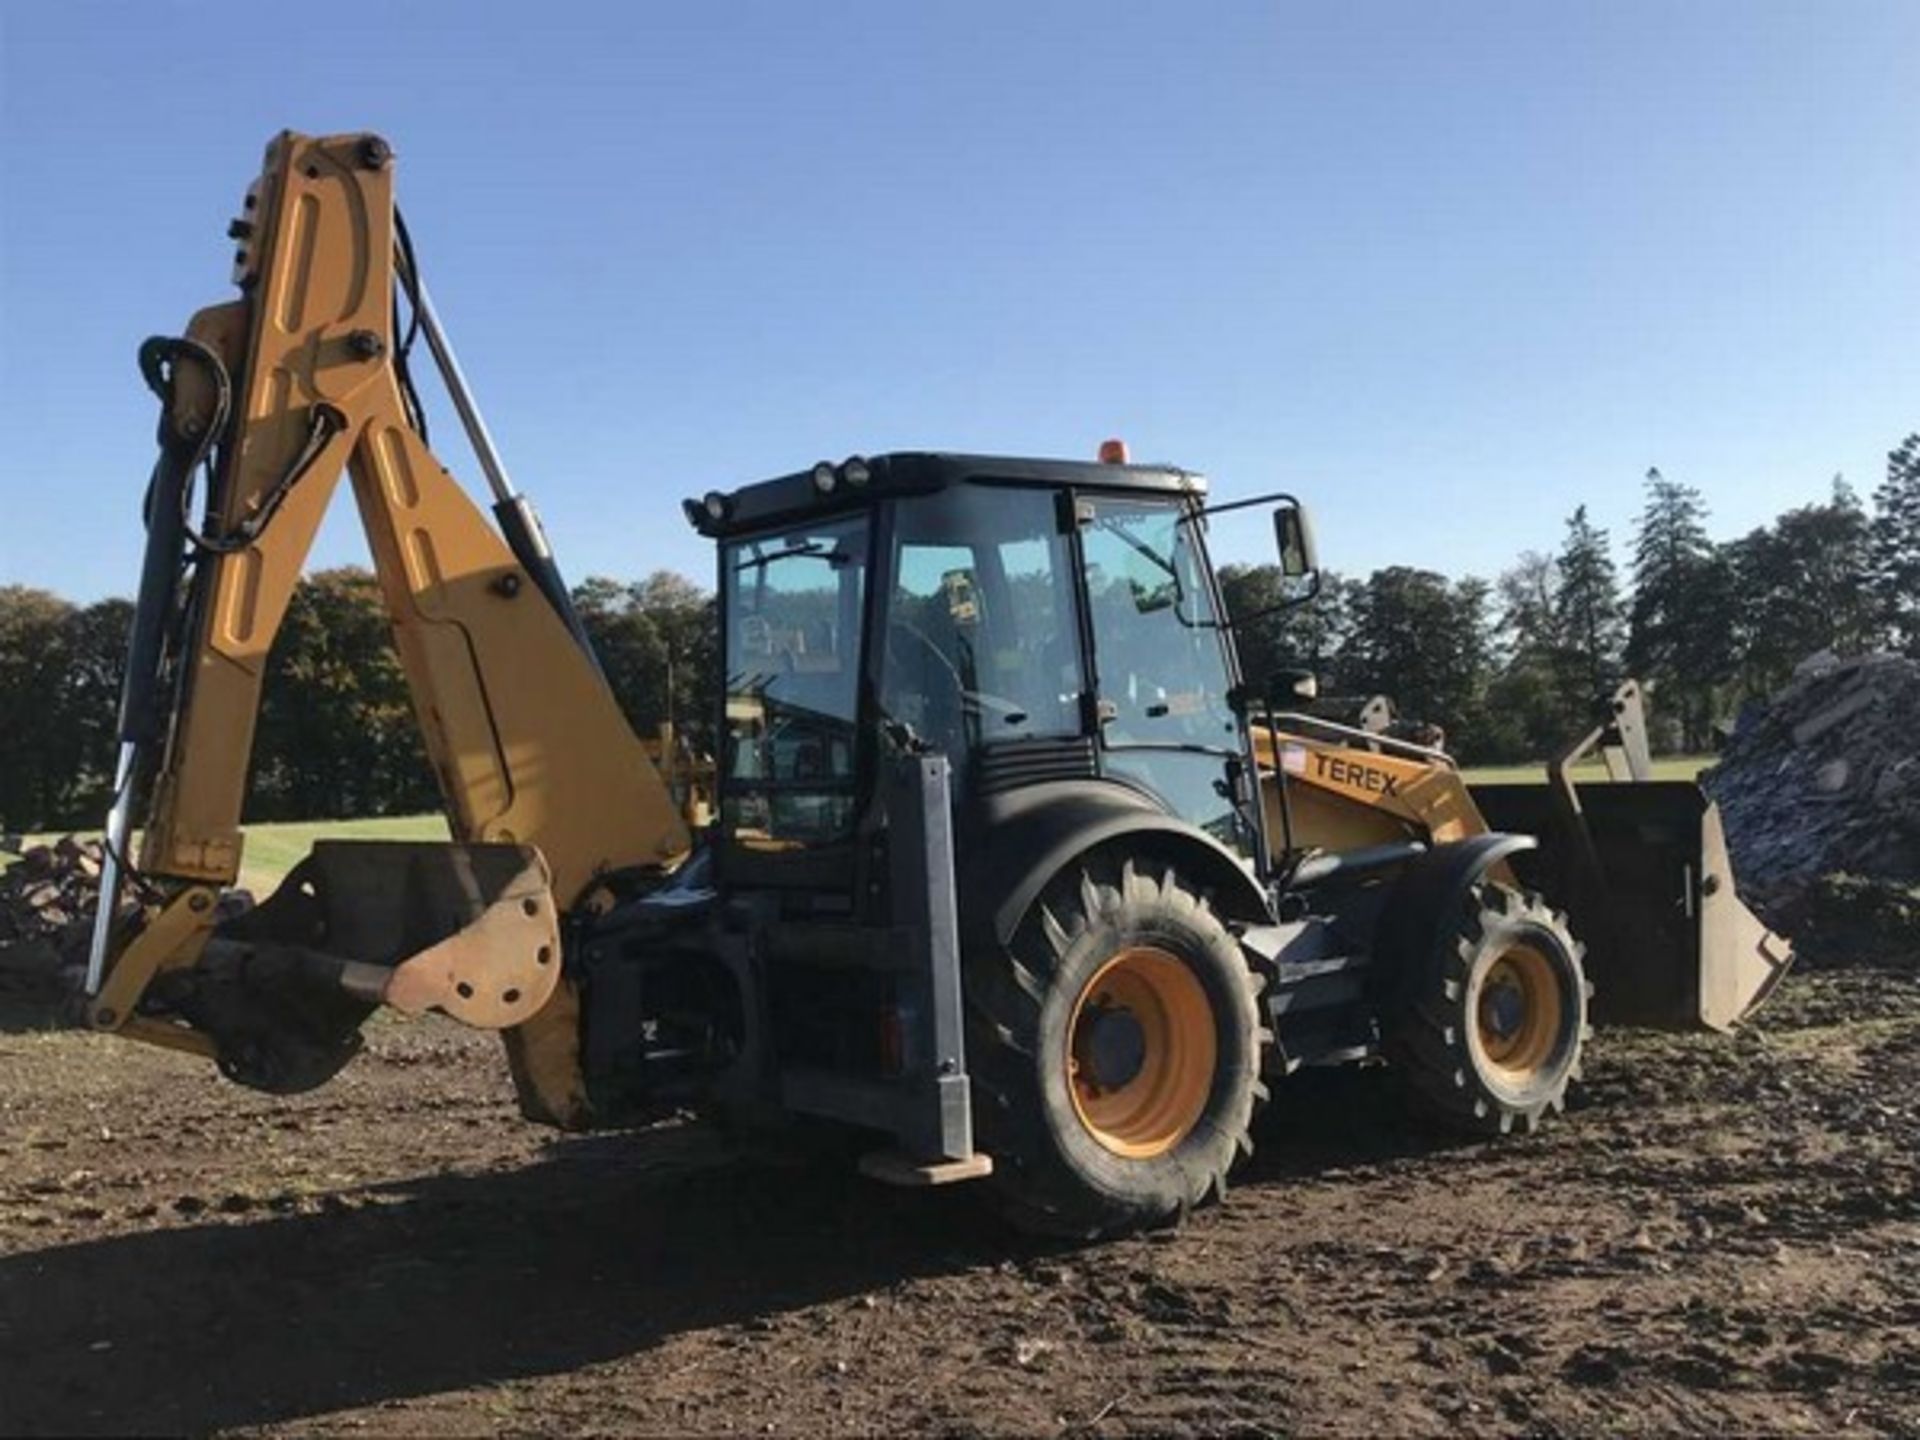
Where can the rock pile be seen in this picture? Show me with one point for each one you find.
(47, 901)
(1825, 781)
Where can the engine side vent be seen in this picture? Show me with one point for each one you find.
(1014, 764)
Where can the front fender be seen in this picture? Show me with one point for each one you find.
(1418, 916)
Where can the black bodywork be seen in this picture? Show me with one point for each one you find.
(826, 978)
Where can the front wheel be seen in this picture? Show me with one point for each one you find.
(1115, 1053)
(1488, 1034)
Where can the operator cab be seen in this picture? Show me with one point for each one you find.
(1034, 621)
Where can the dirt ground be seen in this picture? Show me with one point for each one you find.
(1725, 1235)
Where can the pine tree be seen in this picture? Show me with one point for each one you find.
(1680, 635)
(1587, 616)
(1894, 546)
(1836, 546)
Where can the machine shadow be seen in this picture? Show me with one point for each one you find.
(598, 1251)
(601, 1250)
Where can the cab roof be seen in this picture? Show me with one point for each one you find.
(914, 472)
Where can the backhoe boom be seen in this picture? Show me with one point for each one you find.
(281, 390)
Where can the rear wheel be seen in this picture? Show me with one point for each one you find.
(1115, 1053)
(1487, 1036)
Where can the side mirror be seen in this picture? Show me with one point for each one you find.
(1294, 536)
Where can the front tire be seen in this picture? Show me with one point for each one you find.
(1487, 1035)
(1115, 1052)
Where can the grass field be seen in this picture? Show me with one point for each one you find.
(272, 850)
(1672, 767)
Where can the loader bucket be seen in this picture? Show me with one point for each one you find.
(1642, 869)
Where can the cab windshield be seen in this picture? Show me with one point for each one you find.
(1162, 664)
(793, 604)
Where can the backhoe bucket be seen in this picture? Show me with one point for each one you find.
(468, 930)
(1642, 869)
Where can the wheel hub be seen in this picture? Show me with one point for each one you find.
(1520, 1013)
(1112, 1046)
(1502, 1011)
(1141, 1050)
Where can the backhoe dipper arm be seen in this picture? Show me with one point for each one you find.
(527, 740)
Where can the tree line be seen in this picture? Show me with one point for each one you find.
(1513, 669)
(336, 736)
(1509, 669)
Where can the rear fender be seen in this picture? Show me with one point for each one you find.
(1015, 846)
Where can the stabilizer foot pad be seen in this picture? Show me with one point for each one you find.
(896, 1167)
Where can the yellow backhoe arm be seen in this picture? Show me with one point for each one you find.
(283, 388)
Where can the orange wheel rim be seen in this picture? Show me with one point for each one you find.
(1519, 1013)
(1141, 1053)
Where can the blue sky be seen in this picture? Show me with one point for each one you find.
(1445, 270)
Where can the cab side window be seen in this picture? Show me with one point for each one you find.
(980, 640)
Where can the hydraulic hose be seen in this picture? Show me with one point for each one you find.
(169, 494)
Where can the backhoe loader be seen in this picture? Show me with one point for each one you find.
(1011, 872)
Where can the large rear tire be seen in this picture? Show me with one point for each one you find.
(1115, 1051)
(1488, 1034)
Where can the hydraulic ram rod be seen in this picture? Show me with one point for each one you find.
(141, 719)
(118, 827)
(470, 418)
(514, 512)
